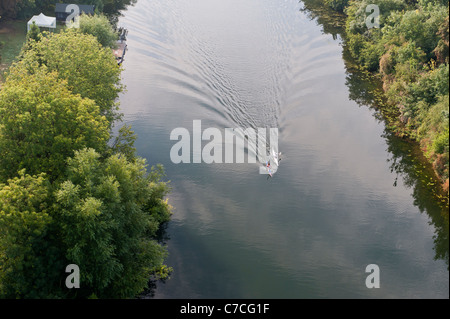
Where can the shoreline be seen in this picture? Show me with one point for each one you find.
(333, 22)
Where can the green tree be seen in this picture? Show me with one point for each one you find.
(90, 69)
(99, 26)
(103, 218)
(28, 264)
(109, 212)
(85, 202)
(12, 8)
(124, 143)
(25, 8)
(338, 5)
(109, 7)
(442, 48)
(42, 123)
(410, 52)
(34, 33)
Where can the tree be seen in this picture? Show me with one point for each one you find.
(34, 33)
(441, 49)
(109, 7)
(104, 218)
(28, 264)
(10, 8)
(42, 123)
(109, 211)
(90, 69)
(124, 143)
(25, 8)
(75, 200)
(99, 26)
(338, 5)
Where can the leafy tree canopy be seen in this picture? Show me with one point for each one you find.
(109, 211)
(89, 68)
(100, 27)
(42, 123)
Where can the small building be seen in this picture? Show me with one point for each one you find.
(61, 14)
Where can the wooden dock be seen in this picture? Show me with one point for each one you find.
(120, 51)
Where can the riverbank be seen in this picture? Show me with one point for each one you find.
(411, 105)
(331, 209)
(75, 94)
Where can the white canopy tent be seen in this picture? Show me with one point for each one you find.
(42, 21)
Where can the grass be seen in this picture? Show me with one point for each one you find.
(13, 35)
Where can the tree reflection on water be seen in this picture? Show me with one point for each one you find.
(405, 157)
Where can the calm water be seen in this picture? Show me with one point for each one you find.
(345, 195)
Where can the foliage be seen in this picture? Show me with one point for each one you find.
(410, 53)
(26, 8)
(66, 196)
(124, 143)
(108, 7)
(11, 8)
(434, 126)
(104, 218)
(34, 33)
(441, 50)
(23, 8)
(28, 263)
(42, 123)
(338, 5)
(109, 211)
(99, 26)
(90, 69)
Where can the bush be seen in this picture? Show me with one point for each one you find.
(99, 27)
(440, 144)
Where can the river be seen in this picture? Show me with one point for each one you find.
(346, 194)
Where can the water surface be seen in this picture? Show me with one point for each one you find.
(335, 205)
